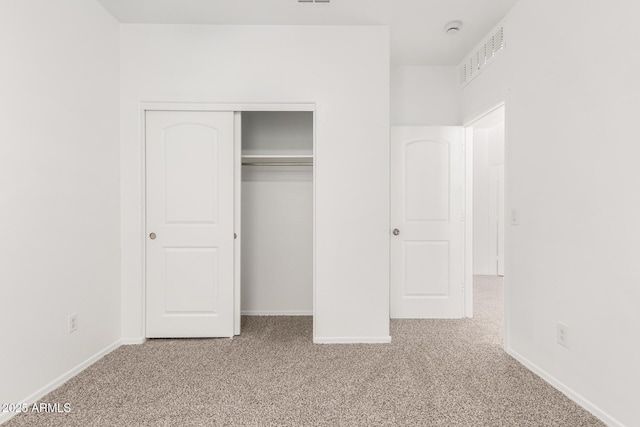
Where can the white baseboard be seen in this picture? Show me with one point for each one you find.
(133, 341)
(567, 391)
(351, 340)
(34, 397)
(277, 313)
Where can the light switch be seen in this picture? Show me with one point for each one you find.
(514, 218)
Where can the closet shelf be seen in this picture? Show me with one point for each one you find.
(277, 160)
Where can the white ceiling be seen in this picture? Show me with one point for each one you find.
(416, 26)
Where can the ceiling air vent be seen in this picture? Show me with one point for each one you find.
(482, 55)
(314, 1)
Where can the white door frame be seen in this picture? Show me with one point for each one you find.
(236, 108)
(468, 222)
(468, 122)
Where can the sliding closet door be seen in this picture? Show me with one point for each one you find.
(190, 220)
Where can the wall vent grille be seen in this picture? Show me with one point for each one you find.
(483, 55)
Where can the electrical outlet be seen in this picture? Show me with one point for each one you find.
(563, 332)
(73, 322)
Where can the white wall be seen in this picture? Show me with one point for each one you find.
(425, 96)
(572, 154)
(481, 196)
(277, 240)
(277, 216)
(345, 71)
(277, 132)
(59, 180)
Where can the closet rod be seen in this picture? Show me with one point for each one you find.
(277, 164)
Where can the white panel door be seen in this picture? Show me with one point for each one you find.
(427, 220)
(190, 220)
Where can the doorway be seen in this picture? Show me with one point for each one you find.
(212, 173)
(277, 213)
(488, 194)
(486, 170)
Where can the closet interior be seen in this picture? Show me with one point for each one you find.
(277, 213)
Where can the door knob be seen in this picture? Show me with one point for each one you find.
(396, 231)
(152, 236)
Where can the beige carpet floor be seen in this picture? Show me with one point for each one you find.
(435, 373)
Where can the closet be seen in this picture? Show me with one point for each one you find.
(229, 219)
(277, 213)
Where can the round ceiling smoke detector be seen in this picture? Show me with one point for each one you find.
(453, 27)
